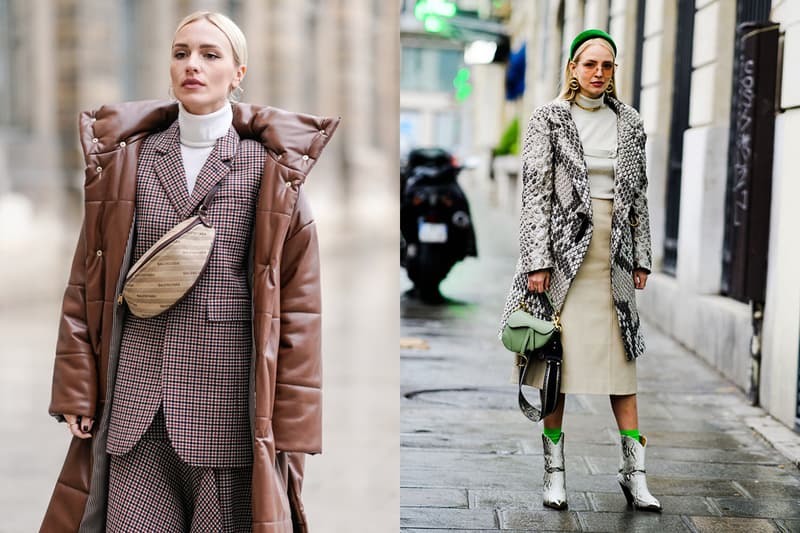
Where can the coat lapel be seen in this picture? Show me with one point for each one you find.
(216, 167)
(169, 168)
(580, 179)
(624, 180)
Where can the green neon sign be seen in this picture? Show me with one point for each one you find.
(433, 12)
(462, 85)
(433, 24)
(442, 8)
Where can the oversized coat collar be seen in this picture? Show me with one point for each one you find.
(629, 134)
(294, 140)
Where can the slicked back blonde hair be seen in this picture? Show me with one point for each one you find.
(566, 92)
(226, 26)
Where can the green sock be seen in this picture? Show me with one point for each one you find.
(554, 434)
(632, 433)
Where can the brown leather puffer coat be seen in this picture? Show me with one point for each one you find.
(286, 370)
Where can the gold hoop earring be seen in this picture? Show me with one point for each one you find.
(610, 88)
(573, 84)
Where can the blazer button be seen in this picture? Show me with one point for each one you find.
(99, 169)
(99, 253)
(95, 140)
(305, 157)
(122, 144)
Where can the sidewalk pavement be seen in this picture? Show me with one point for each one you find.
(470, 461)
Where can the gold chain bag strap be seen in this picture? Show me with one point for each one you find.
(170, 268)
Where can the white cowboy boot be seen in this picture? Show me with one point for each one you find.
(554, 491)
(631, 476)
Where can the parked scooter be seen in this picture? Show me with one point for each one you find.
(435, 221)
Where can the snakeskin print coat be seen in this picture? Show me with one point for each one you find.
(556, 216)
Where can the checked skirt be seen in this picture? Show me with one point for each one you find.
(151, 489)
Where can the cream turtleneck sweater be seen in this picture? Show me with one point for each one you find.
(598, 133)
(199, 134)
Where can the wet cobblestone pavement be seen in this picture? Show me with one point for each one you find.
(470, 461)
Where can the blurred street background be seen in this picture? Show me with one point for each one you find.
(715, 85)
(332, 58)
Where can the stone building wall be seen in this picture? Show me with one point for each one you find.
(779, 368)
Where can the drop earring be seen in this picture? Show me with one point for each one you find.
(236, 94)
(573, 84)
(610, 88)
(170, 93)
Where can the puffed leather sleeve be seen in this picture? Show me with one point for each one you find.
(642, 252)
(537, 196)
(75, 369)
(297, 412)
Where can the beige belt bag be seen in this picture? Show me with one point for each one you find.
(169, 269)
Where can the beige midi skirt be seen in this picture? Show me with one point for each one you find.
(594, 356)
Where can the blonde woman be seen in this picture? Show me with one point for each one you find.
(585, 238)
(196, 419)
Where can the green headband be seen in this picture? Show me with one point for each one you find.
(585, 36)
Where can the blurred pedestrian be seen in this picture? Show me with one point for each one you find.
(197, 418)
(585, 238)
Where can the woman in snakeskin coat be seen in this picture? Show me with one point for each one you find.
(585, 238)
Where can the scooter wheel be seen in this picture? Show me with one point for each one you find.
(429, 293)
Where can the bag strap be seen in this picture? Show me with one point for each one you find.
(556, 315)
(532, 413)
(202, 211)
(552, 372)
(550, 301)
(556, 318)
(525, 406)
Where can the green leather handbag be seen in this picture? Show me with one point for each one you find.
(524, 333)
(533, 338)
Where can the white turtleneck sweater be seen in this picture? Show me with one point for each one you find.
(199, 134)
(598, 133)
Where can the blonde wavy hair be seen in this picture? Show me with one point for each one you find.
(567, 93)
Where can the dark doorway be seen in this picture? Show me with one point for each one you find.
(750, 153)
(681, 89)
(637, 61)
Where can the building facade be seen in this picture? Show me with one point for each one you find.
(724, 248)
(442, 94)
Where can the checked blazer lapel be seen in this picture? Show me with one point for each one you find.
(169, 169)
(216, 167)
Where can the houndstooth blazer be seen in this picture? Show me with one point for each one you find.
(195, 358)
(556, 215)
